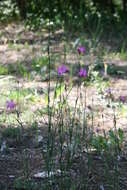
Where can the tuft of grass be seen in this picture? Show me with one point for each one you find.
(123, 55)
(10, 132)
(37, 64)
(3, 70)
(22, 94)
(18, 69)
(25, 184)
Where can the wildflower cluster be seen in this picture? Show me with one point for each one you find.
(63, 69)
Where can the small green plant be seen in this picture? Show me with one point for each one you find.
(109, 149)
(11, 45)
(99, 82)
(18, 69)
(123, 53)
(10, 132)
(3, 70)
(109, 143)
(22, 95)
(21, 183)
(22, 70)
(34, 126)
(38, 64)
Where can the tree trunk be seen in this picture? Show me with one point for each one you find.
(22, 8)
(124, 5)
(111, 5)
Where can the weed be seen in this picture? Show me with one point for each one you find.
(10, 132)
(3, 70)
(25, 184)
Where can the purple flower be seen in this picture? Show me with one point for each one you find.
(108, 91)
(83, 73)
(122, 99)
(97, 130)
(10, 105)
(62, 69)
(81, 50)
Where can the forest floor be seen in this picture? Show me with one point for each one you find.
(19, 50)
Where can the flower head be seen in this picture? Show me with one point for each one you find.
(83, 73)
(62, 69)
(97, 130)
(81, 50)
(108, 91)
(122, 99)
(10, 105)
